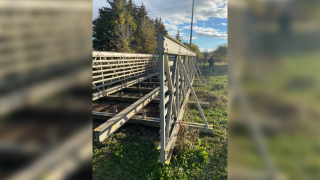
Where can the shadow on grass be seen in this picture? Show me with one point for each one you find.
(130, 153)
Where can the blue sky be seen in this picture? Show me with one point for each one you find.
(210, 27)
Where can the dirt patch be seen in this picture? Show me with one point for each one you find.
(143, 132)
(152, 110)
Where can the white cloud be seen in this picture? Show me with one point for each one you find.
(179, 11)
(172, 33)
(223, 24)
(186, 27)
(170, 26)
(209, 32)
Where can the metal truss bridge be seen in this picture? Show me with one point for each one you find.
(168, 78)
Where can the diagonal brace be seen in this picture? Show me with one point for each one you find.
(192, 91)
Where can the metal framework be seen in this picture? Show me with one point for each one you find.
(112, 71)
(176, 83)
(175, 66)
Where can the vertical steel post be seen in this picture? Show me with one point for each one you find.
(162, 97)
(177, 85)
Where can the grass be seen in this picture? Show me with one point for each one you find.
(131, 152)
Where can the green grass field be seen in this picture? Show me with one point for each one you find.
(131, 153)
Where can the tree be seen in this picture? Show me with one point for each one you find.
(194, 48)
(159, 27)
(103, 30)
(125, 27)
(149, 43)
(178, 36)
(222, 52)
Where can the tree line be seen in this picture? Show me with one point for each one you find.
(219, 54)
(126, 27)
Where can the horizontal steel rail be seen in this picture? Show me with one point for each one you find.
(120, 54)
(124, 84)
(113, 71)
(130, 73)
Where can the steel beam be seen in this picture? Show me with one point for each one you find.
(110, 126)
(161, 49)
(154, 122)
(134, 99)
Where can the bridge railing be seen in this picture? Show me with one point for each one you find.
(176, 77)
(114, 71)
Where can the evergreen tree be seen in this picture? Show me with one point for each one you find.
(103, 30)
(160, 28)
(149, 43)
(178, 36)
(124, 27)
